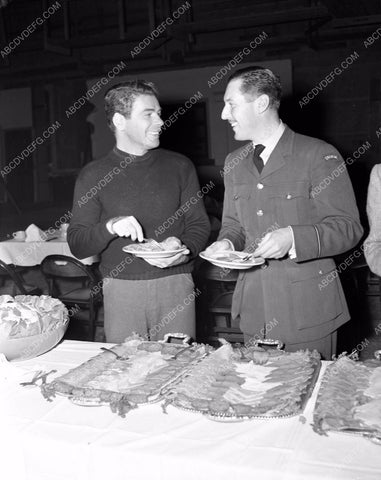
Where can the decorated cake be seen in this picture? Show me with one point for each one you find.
(349, 399)
(132, 373)
(251, 382)
(28, 315)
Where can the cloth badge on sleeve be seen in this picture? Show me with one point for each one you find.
(331, 157)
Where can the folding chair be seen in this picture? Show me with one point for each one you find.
(75, 284)
(18, 286)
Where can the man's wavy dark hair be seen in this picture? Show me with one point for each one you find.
(257, 81)
(121, 97)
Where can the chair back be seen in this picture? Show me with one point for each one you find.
(66, 267)
(9, 271)
(75, 284)
(60, 267)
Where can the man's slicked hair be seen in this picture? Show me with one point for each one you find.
(120, 98)
(258, 81)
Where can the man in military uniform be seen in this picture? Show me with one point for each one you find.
(288, 199)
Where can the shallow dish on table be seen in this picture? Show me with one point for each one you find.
(349, 399)
(138, 252)
(233, 260)
(127, 375)
(231, 385)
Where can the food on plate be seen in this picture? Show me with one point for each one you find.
(218, 383)
(374, 388)
(231, 256)
(148, 246)
(349, 398)
(226, 386)
(169, 244)
(258, 354)
(146, 368)
(27, 315)
(369, 414)
(172, 243)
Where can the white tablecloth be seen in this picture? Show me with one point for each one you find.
(29, 254)
(57, 440)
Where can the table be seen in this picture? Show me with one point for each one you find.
(29, 254)
(62, 441)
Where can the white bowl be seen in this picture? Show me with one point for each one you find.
(25, 348)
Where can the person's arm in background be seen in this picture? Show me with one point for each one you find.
(87, 234)
(372, 245)
(337, 227)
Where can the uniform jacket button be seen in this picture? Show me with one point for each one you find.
(260, 186)
(259, 213)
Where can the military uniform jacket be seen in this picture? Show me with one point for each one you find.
(304, 184)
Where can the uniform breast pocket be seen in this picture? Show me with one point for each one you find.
(242, 202)
(290, 202)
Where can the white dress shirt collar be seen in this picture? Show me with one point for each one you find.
(271, 142)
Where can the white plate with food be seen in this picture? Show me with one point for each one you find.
(153, 249)
(233, 260)
(151, 254)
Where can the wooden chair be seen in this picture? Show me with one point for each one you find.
(76, 285)
(18, 286)
(219, 284)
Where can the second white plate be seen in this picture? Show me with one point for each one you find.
(153, 254)
(235, 263)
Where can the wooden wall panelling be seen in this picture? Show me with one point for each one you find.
(43, 154)
(71, 142)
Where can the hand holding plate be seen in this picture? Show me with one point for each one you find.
(217, 247)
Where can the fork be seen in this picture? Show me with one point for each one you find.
(174, 356)
(151, 240)
(119, 357)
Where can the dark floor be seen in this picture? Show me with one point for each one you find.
(362, 333)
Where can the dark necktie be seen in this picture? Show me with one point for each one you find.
(258, 162)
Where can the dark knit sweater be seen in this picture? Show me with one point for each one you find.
(160, 189)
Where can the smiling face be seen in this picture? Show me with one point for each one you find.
(140, 132)
(240, 111)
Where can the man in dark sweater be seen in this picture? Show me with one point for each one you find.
(139, 191)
